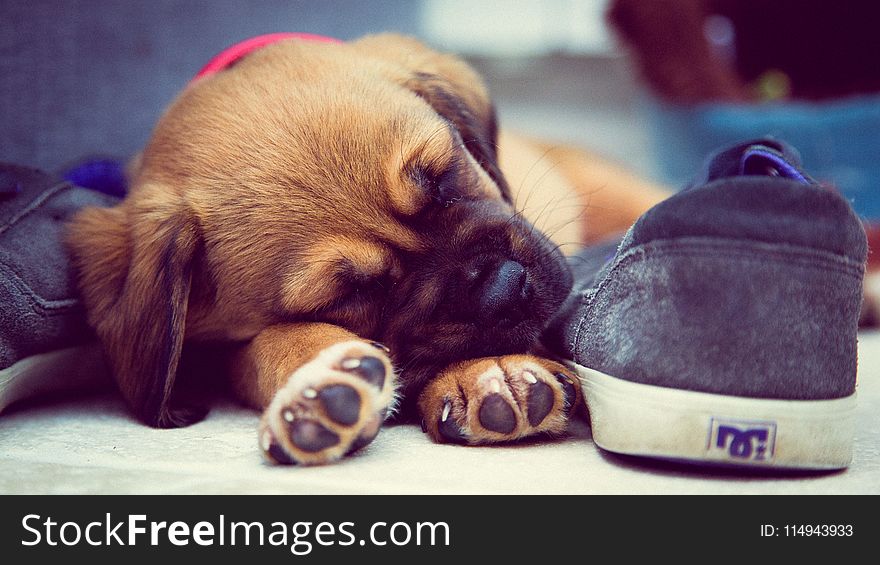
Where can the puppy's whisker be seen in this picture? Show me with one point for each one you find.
(551, 231)
(557, 248)
(543, 176)
(538, 217)
(556, 205)
(551, 234)
(575, 219)
(517, 215)
(557, 210)
(522, 184)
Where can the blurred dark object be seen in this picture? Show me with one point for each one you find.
(870, 316)
(665, 37)
(826, 49)
(734, 50)
(720, 71)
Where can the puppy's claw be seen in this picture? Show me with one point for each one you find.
(380, 346)
(447, 427)
(569, 390)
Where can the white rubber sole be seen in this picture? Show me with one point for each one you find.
(74, 368)
(666, 423)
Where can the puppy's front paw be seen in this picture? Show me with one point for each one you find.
(499, 399)
(330, 407)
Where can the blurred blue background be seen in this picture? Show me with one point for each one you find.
(84, 77)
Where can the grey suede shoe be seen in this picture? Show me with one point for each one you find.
(723, 328)
(45, 342)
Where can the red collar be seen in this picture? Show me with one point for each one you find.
(231, 55)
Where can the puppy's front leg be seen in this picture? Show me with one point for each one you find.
(498, 399)
(324, 391)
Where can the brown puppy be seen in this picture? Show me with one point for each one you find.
(316, 198)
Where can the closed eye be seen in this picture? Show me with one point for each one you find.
(352, 284)
(442, 186)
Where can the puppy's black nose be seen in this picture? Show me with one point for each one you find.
(504, 291)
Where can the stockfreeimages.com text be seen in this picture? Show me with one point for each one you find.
(300, 537)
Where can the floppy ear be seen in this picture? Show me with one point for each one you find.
(452, 88)
(478, 132)
(135, 271)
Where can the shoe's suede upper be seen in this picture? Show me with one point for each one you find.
(772, 210)
(39, 310)
(741, 284)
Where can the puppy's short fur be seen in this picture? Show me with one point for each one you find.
(293, 211)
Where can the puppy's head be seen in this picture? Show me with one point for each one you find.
(353, 184)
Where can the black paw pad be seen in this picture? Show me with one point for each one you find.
(311, 436)
(569, 390)
(279, 455)
(451, 432)
(341, 403)
(274, 451)
(540, 402)
(447, 427)
(363, 440)
(497, 415)
(371, 369)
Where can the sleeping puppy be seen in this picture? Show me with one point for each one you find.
(336, 225)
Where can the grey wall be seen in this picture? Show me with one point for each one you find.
(84, 77)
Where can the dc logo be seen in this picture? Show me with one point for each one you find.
(742, 440)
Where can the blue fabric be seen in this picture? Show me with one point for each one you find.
(838, 141)
(39, 308)
(758, 159)
(103, 175)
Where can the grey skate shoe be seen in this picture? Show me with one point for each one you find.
(723, 329)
